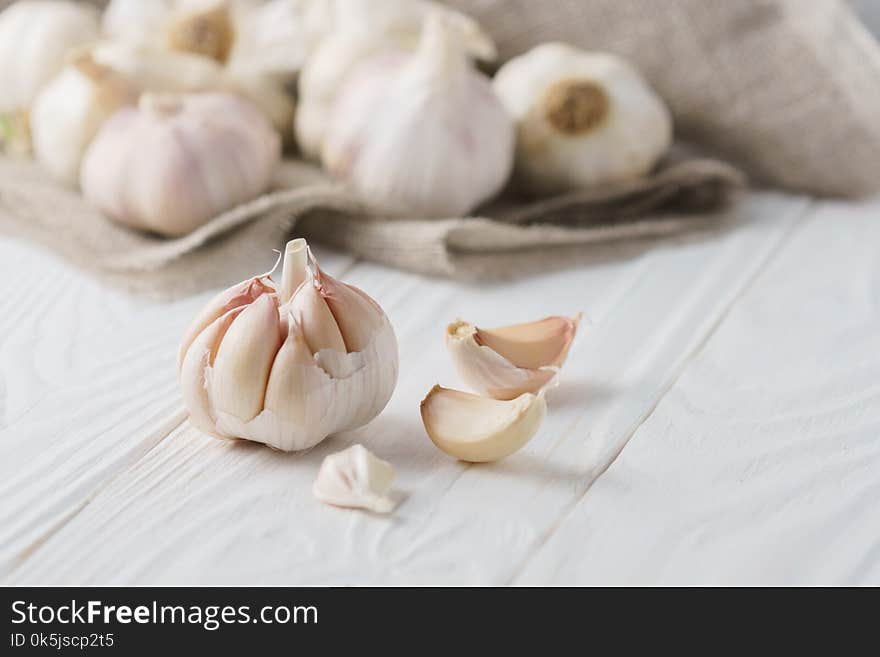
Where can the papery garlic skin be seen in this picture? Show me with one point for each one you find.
(583, 119)
(176, 161)
(356, 479)
(70, 109)
(288, 364)
(506, 362)
(420, 134)
(480, 430)
(35, 38)
(356, 30)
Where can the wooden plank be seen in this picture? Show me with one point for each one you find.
(88, 386)
(197, 510)
(762, 464)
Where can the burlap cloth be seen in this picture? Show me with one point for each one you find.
(790, 91)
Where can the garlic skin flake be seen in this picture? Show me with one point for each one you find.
(420, 133)
(35, 37)
(583, 119)
(479, 430)
(356, 479)
(506, 362)
(288, 363)
(70, 109)
(176, 161)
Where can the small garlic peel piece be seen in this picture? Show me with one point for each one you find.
(355, 478)
(477, 429)
(505, 362)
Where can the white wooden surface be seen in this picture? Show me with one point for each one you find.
(717, 422)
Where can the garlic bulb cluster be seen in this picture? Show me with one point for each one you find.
(356, 479)
(582, 119)
(175, 161)
(70, 109)
(357, 30)
(513, 366)
(288, 364)
(35, 37)
(420, 133)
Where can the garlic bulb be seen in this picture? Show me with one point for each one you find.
(420, 133)
(357, 30)
(288, 364)
(479, 430)
(35, 37)
(583, 119)
(176, 161)
(354, 478)
(506, 362)
(69, 110)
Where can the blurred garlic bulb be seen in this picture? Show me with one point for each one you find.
(420, 133)
(356, 479)
(356, 30)
(35, 37)
(69, 110)
(175, 161)
(583, 119)
(200, 27)
(288, 364)
(506, 362)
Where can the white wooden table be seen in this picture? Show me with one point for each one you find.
(719, 422)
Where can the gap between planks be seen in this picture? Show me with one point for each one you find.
(796, 223)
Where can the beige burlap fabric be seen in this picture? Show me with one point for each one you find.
(789, 90)
(305, 202)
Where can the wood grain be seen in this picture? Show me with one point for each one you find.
(198, 510)
(88, 386)
(762, 463)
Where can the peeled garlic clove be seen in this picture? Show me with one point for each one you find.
(244, 359)
(508, 361)
(355, 478)
(177, 161)
(476, 429)
(35, 37)
(422, 133)
(292, 395)
(583, 119)
(69, 110)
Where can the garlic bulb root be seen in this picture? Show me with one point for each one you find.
(506, 362)
(476, 429)
(355, 478)
(420, 133)
(177, 160)
(583, 119)
(288, 364)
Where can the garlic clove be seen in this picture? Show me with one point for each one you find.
(206, 30)
(355, 478)
(240, 294)
(506, 362)
(244, 359)
(477, 429)
(357, 315)
(319, 327)
(583, 119)
(194, 363)
(533, 344)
